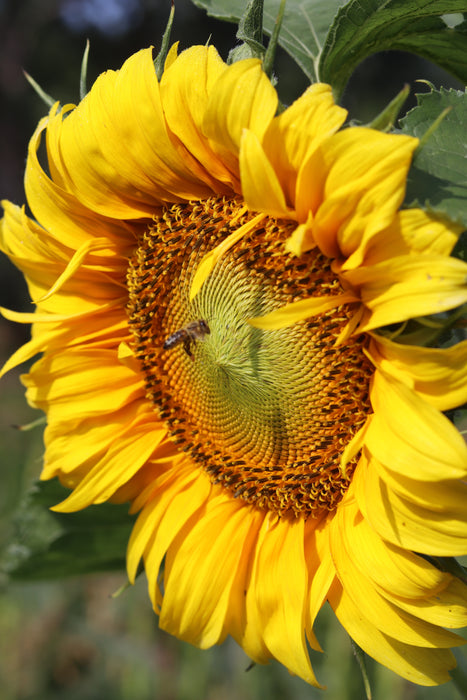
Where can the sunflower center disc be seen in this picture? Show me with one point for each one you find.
(265, 413)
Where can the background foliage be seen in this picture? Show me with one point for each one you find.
(71, 639)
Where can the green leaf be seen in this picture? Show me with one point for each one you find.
(159, 61)
(386, 119)
(434, 29)
(250, 32)
(84, 72)
(250, 28)
(460, 249)
(46, 98)
(304, 26)
(46, 544)
(438, 176)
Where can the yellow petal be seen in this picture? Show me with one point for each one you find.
(24, 353)
(189, 495)
(416, 664)
(81, 383)
(297, 132)
(261, 188)
(241, 98)
(90, 282)
(172, 55)
(73, 265)
(23, 239)
(147, 139)
(79, 160)
(310, 194)
(120, 463)
(393, 570)
(439, 375)
(64, 217)
(445, 497)
(420, 529)
(321, 570)
(172, 499)
(210, 260)
(381, 613)
(427, 232)
(116, 155)
(202, 573)
(301, 239)
(362, 174)
(409, 286)
(72, 445)
(447, 607)
(34, 317)
(411, 437)
(355, 444)
(278, 591)
(186, 88)
(407, 580)
(43, 259)
(50, 332)
(412, 231)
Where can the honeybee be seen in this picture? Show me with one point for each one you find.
(193, 331)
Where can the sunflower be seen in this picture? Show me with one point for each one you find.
(209, 279)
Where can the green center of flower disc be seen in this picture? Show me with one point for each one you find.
(266, 414)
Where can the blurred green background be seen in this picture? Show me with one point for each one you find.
(69, 638)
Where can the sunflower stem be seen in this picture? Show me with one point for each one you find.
(159, 61)
(360, 656)
(84, 72)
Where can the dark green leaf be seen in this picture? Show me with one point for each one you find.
(438, 176)
(159, 61)
(460, 421)
(450, 565)
(304, 26)
(386, 119)
(250, 28)
(428, 28)
(460, 249)
(250, 32)
(49, 545)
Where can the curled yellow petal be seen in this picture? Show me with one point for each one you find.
(299, 311)
(74, 264)
(210, 259)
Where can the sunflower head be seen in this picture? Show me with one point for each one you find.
(261, 394)
(211, 279)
